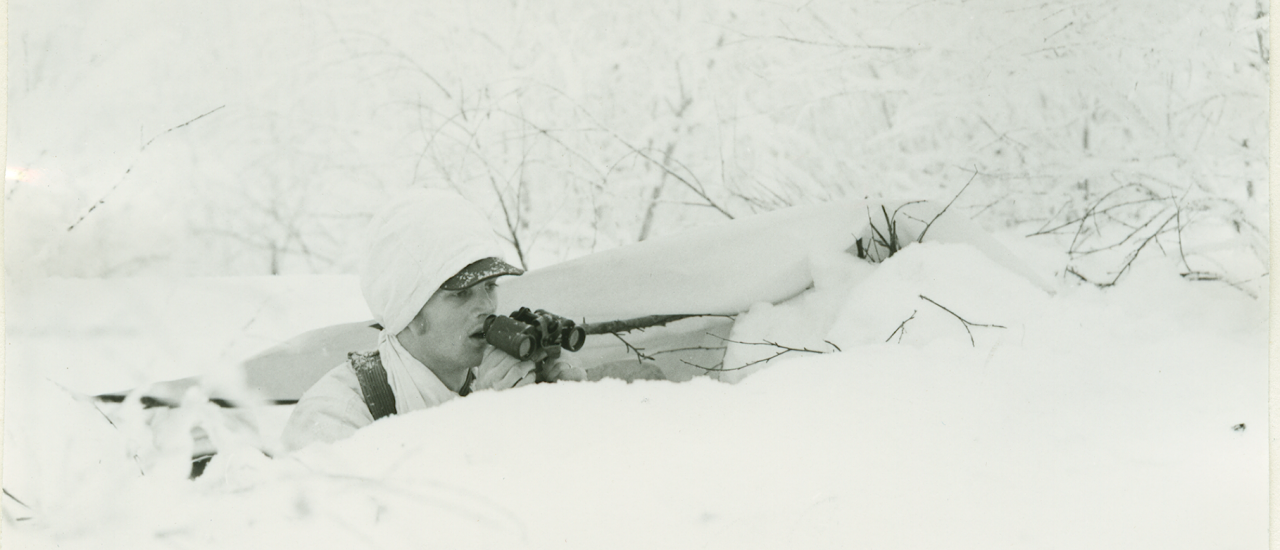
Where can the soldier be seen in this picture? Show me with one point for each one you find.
(429, 275)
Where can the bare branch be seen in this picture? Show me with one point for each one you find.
(639, 352)
(879, 237)
(770, 358)
(691, 348)
(656, 194)
(697, 189)
(1121, 241)
(718, 368)
(1090, 213)
(1134, 255)
(1093, 208)
(944, 209)
(627, 325)
(512, 225)
(901, 327)
(1181, 252)
(182, 125)
(985, 208)
(904, 205)
(102, 200)
(18, 500)
(783, 350)
(966, 323)
(1072, 271)
(548, 133)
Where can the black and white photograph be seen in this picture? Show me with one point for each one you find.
(561, 274)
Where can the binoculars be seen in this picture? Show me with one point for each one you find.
(536, 336)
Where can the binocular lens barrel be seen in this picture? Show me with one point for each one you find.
(573, 338)
(509, 336)
(525, 332)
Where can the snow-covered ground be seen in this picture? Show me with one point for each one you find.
(1128, 417)
(167, 142)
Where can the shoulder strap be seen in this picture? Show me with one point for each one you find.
(465, 390)
(373, 383)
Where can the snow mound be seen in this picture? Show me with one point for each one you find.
(1139, 411)
(918, 282)
(853, 303)
(720, 270)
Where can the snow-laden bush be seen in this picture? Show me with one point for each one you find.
(581, 129)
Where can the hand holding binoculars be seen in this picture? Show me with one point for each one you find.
(536, 336)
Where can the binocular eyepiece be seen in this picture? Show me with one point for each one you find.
(533, 335)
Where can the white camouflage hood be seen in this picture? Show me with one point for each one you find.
(415, 244)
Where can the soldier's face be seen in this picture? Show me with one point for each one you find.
(453, 322)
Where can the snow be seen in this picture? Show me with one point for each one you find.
(769, 257)
(784, 252)
(1130, 416)
(151, 329)
(1095, 418)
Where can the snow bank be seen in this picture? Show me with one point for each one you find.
(1131, 417)
(726, 267)
(722, 269)
(853, 304)
(101, 335)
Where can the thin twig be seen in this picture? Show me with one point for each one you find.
(105, 416)
(216, 109)
(984, 209)
(944, 209)
(718, 368)
(965, 322)
(691, 348)
(1134, 255)
(1128, 262)
(1052, 217)
(1092, 212)
(640, 356)
(512, 225)
(903, 205)
(783, 350)
(767, 359)
(102, 200)
(697, 189)
(1181, 252)
(767, 343)
(1131, 234)
(877, 238)
(901, 327)
(912, 218)
(15, 499)
(1073, 271)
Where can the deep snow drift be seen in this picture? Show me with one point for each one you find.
(1134, 416)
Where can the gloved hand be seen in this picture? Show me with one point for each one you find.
(501, 371)
(564, 370)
